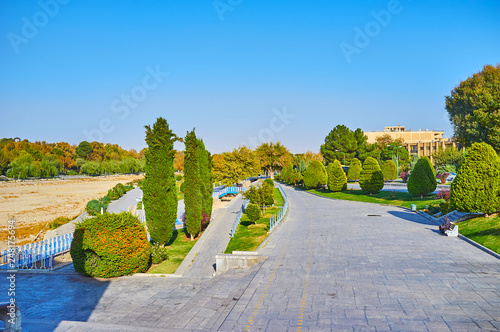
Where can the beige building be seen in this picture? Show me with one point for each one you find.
(421, 142)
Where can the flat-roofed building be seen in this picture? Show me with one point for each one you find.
(420, 142)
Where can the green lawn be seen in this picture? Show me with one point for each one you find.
(179, 194)
(383, 197)
(179, 247)
(484, 230)
(249, 235)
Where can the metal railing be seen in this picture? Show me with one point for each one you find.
(238, 217)
(280, 215)
(227, 190)
(38, 255)
(275, 219)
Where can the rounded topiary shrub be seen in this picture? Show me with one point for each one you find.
(94, 206)
(253, 212)
(110, 245)
(422, 180)
(477, 184)
(337, 180)
(296, 178)
(354, 170)
(315, 175)
(120, 189)
(269, 181)
(389, 170)
(371, 178)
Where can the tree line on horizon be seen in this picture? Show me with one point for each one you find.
(25, 159)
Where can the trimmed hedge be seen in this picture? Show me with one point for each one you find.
(354, 170)
(94, 206)
(422, 180)
(269, 181)
(337, 180)
(476, 187)
(315, 175)
(110, 245)
(371, 178)
(390, 170)
(253, 212)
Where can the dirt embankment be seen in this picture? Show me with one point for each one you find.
(36, 203)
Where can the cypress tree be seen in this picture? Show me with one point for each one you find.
(390, 170)
(476, 187)
(371, 178)
(422, 180)
(159, 190)
(315, 175)
(192, 194)
(337, 180)
(354, 170)
(205, 165)
(302, 166)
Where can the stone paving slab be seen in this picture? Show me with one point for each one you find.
(200, 262)
(330, 267)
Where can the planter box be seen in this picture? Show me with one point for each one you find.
(453, 232)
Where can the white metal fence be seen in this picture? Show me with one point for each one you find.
(38, 255)
(280, 215)
(275, 219)
(238, 217)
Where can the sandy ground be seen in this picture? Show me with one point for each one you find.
(34, 204)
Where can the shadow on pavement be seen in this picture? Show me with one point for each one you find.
(49, 298)
(410, 216)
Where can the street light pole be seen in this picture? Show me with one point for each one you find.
(397, 156)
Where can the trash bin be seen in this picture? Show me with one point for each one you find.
(413, 208)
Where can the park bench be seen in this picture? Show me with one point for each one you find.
(11, 316)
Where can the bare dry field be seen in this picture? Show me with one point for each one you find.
(36, 203)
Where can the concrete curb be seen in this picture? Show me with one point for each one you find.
(159, 275)
(37, 271)
(479, 246)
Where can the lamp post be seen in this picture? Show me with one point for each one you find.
(397, 156)
(344, 155)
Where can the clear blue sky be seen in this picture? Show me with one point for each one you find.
(71, 68)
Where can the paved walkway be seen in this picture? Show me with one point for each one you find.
(126, 202)
(129, 200)
(331, 266)
(200, 262)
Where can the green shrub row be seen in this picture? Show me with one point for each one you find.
(94, 206)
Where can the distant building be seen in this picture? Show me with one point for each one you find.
(421, 142)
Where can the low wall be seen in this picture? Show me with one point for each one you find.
(238, 259)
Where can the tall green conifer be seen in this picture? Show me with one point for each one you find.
(159, 191)
(192, 178)
(205, 165)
